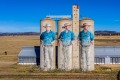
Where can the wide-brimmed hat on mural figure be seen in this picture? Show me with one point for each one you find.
(47, 25)
(66, 24)
(85, 24)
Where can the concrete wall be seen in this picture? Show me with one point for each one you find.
(75, 28)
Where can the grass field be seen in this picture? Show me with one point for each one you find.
(13, 44)
(10, 47)
(107, 40)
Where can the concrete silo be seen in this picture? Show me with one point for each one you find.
(42, 29)
(60, 29)
(91, 28)
(75, 28)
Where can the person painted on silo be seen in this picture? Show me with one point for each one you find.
(47, 41)
(86, 39)
(66, 39)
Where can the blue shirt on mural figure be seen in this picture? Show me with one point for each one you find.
(48, 37)
(67, 37)
(86, 37)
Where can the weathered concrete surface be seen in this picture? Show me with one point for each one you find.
(75, 28)
(42, 29)
(60, 29)
(91, 28)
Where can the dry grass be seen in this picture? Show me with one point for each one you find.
(107, 37)
(12, 45)
(10, 70)
(107, 40)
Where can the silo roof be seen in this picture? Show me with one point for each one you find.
(28, 51)
(87, 19)
(47, 18)
(65, 18)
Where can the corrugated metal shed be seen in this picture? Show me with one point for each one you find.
(28, 51)
(107, 54)
(29, 55)
(104, 51)
(103, 55)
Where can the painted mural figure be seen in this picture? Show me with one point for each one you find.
(86, 39)
(66, 39)
(47, 40)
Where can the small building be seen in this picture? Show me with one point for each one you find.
(29, 55)
(107, 55)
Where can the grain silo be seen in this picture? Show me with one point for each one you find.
(91, 28)
(42, 29)
(60, 29)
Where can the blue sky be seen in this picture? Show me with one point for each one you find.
(25, 15)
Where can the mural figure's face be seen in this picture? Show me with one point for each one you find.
(48, 28)
(86, 27)
(67, 27)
